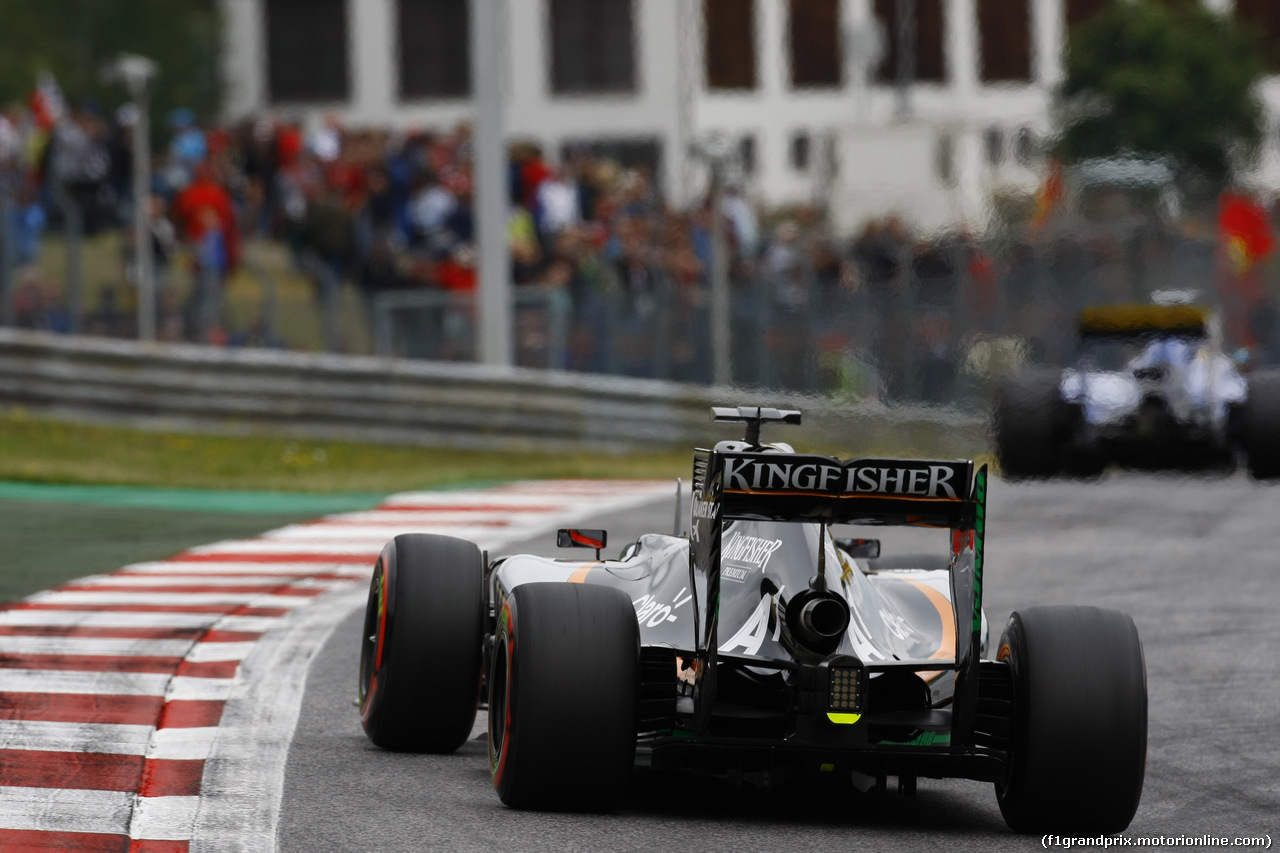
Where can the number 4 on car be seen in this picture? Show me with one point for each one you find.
(758, 646)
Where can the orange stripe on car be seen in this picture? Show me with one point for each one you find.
(947, 647)
(580, 575)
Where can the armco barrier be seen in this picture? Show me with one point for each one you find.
(208, 389)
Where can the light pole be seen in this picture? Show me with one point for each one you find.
(137, 72)
(715, 149)
(905, 73)
(490, 173)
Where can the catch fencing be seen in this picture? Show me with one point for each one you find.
(934, 322)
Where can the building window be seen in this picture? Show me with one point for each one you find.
(814, 39)
(307, 51)
(729, 43)
(800, 152)
(930, 59)
(1079, 11)
(435, 48)
(592, 47)
(1264, 17)
(1004, 33)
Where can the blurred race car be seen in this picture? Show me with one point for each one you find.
(1150, 389)
(762, 648)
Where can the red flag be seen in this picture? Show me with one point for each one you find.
(1050, 194)
(47, 103)
(1245, 231)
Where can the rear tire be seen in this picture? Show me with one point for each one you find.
(1079, 721)
(563, 687)
(1031, 425)
(1260, 426)
(420, 650)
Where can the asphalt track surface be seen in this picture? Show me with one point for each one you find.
(1194, 561)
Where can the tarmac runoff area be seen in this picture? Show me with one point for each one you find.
(152, 708)
(236, 730)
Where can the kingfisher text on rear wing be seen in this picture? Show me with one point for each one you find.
(926, 479)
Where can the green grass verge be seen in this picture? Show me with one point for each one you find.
(35, 450)
(43, 451)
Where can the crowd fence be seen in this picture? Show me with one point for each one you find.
(931, 321)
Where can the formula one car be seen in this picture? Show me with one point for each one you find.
(762, 648)
(1151, 389)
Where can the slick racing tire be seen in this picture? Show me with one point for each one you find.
(421, 646)
(563, 687)
(1260, 426)
(1079, 721)
(1031, 425)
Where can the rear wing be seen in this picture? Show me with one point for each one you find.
(793, 487)
(765, 485)
(1138, 321)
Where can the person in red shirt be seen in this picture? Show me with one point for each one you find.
(205, 218)
(458, 271)
(204, 193)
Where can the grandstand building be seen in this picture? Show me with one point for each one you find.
(850, 104)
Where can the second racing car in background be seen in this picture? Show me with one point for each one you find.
(1151, 388)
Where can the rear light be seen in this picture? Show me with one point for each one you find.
(844, 694)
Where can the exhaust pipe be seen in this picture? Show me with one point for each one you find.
(818, 619)
(823, 618)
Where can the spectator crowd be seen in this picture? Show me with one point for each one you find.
(889, 312)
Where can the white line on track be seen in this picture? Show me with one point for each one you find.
(244, 779)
